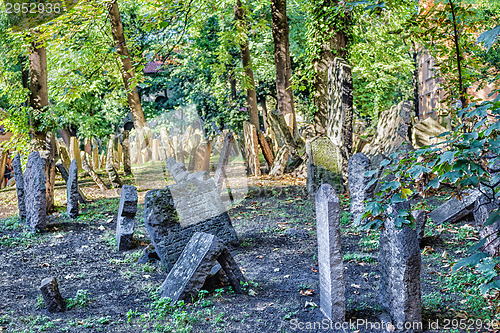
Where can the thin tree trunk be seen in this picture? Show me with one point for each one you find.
(128, 73)
(282, 62)
(253, 112)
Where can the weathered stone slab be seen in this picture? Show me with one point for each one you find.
(324, 165)
(399, 266)
(251, 148)
(340, 109)
(425, 133)
(482, 209)
(359, 164)
(72, 194)
(126, 216)
(195, 263)
(220, 172)
(420, 217)
(331, 267)
(35, 194)
(454, 209)
(392, 133)
(18, 175)
(113, 176)
(168, 235)
(177, 170)
(51, 295)
(74, 151)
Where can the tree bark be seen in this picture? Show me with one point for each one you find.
(282, 61)
(39, 101)
(127, 70)
(333, 44)
(253, 112)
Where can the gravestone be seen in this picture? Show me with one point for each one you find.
(359, 164)
(392, 133)
(324, 165)
(455, 208)
(399, 267)
(72, 194)
(202, 159)
(35, 194)
(18, 175)
(340, 109)
(331, 267)
(177, 170)
(127, 169)
(126, 216)
(51, 295)
(251, 148)
(420, 217)
(113, 176)
(225, 153)
(425, 133)
(170, 231)
(74, 152)
(194, 265)
(483, 206)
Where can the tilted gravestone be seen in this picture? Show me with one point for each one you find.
(35, 195)
(455, 208)
(340, 108)
(18, 175)
(359, 164)
(331, 267)
(171, 221)
(324, 165)
(399, 266)
(194, 265)
(126, 216)
(51, 295)
(392, 133)
(177, 170)
(72, 194)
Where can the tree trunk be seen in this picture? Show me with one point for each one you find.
(127, 69)
(253, 112)
(39, 101)
(282, 63)
(334, 45)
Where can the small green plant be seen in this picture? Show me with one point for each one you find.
(40, 303)
(81, 299)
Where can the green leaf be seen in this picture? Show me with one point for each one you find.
(472, 260)
(489, 37)
(447, 157)
(494, 217)
(488, 286)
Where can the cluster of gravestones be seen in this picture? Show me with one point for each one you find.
(31, 192)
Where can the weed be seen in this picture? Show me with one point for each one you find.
(81, 299)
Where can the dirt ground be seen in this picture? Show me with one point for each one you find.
(107, 291)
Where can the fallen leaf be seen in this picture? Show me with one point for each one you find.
(58, 236)
(276, 269)
(308, 292)
(310, 304)
(260, 257)
(356, 292)
(80, 322)
(109, 220)
(314, 270)
(427, 249)
(355, 285)
(45, 264)
(101, 228)
(286, 276)
(251, 292)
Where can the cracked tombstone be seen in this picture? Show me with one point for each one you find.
(454, 209)
(18, 175)
(126, 216)
(359, 164)
(72, 194)
(331, 267)
(172, 215)
(195, 263)
(35, 194)
(399, 265)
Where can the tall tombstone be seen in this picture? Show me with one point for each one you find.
(18, 174)
(63, 152)
(72, 194)
(126, 152)
(252, 148)
(95, 154)
(399, 267)
(74, 152)
(324, 165)
(220, 172)
(156, 150)
(359, 164)
(126, 216)
(331, 267)
(340, 108)
(113, 176)
(202, 160)
(35, 193)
